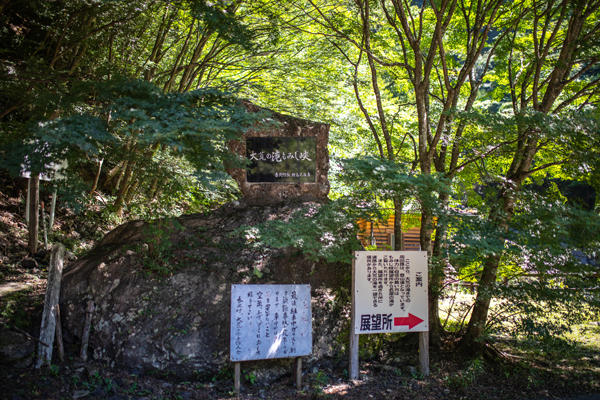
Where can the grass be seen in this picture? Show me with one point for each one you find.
(18, 308)
(575, 351)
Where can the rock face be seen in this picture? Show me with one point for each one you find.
(162, 290)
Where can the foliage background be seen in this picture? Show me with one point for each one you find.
(482, 115)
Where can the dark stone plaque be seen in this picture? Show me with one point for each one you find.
(281, 159)
(287, 160)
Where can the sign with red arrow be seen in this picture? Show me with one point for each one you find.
(411, 321)
(390, 292)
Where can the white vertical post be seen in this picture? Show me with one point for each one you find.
(52, 209)
(44, 227)
(27, 200)
(33, 225)
(354, 338)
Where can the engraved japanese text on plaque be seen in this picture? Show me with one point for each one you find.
(281, 159)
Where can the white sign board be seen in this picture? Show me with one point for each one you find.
(53, 171)
(270, 321)
(390, 292)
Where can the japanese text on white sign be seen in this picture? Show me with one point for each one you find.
(270, 321)
(390, 292)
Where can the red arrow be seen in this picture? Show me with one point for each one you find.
(411, 321)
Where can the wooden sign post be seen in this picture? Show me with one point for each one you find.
(52, 171)
(389, 294)
(270, 321)
(51, 300)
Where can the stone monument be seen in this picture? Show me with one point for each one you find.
(287, 159)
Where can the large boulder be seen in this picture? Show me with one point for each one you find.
(162, 290)
(16, 349)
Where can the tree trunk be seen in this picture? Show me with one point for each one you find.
(434, 287)
(426, 230)
(154, 189)
(500, 216)
(398, 243)
(177, 63)
(120, 200)
(114, 173)
(186, 78)
(121, 175)
(131, 191)
(436, 278)
(97, 177)
(472, 339)
(34, 205)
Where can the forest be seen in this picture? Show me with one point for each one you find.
(477, 122)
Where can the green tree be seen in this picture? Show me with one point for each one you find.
(443, 62)
(179, 46)
(547, 67)
(413, 59)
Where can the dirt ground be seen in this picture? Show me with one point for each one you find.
(74, 380)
